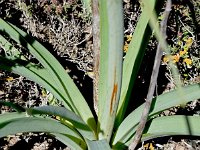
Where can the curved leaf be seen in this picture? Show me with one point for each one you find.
(74, 98)
(14, 58)
(133, 60)
(64, 139)
(128, 127)
(11, 115)
(16, 107)
(77, 122)
(36, 74)
(165, 126)
(27, 124)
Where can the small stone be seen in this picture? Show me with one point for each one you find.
(1, 92)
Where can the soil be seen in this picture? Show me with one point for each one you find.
(65, 29)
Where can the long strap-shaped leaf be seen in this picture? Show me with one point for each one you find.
(126, 130)
(133, 59)
(29, 70)
(35, 48)
(74, 146)
(9, 63)
(39, 75)
(27, 124)
(13, 115)
(74, 97)
(65, 114)
(34, 73)
(167, 126)
(111, 35)
(16, 107)
(61, 137)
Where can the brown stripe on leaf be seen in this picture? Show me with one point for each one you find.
(114, 96)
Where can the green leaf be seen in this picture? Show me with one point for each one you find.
(16, 107)
(165, 47)
(74, 146)
(127, 128)
(20, 70)
(98, 145)
(167, 126)
(36, 74)
(74, 98)
(27, 124)
(11, 115)
(65, 114)
(14, 58)
(111, 49)
(133, 60)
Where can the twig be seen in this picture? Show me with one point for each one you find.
(186, 28)
(153, 82)
(96, 50)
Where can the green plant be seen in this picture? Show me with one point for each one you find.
(75, 125)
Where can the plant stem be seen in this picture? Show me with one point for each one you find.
(153, 81)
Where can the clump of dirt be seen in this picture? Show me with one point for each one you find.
(31, 141)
